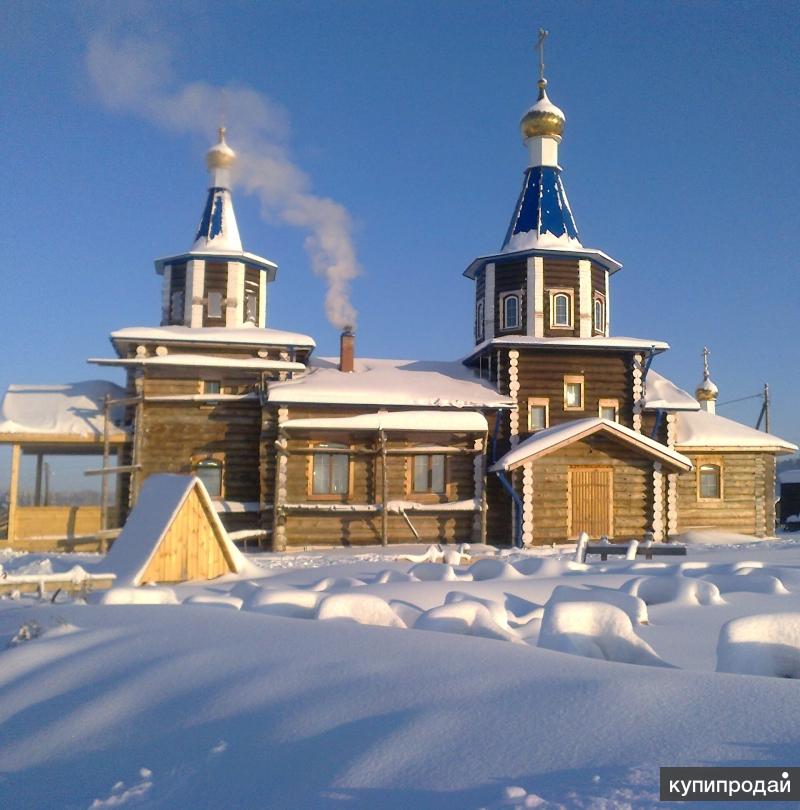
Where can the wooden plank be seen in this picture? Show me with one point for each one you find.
(13, 492)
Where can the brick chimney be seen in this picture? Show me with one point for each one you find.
(347, 348)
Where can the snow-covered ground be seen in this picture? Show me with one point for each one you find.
(358, 678)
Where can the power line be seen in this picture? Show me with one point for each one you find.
(741, 399)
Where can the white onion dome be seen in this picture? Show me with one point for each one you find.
(544, 119)
(220, 156)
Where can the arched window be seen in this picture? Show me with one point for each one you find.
(479, 322)
(599, 314)
(209, 471)
(709, 483)
(511, 312)
(561, 309)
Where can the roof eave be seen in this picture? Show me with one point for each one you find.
(251, 259)
(612, 265)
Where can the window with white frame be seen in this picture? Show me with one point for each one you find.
(599, 313)
(209, 471)
(609, 409)
(330, 470)
(538, 413)
(509, 309)
(709, 482)
(561, 306)
(429, 472)
(479, 321)
(250, 302)
(573, 392)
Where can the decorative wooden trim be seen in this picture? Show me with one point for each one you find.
(513, 392)
(539, 401)
(672, 504)
(219, 456)
(637, 392)
(518, 294)
(527, 503)
(538, 296)
(585, 293)
(571, 379)
(658, 502)
(602, 299)
(716, 461)
(570, 293)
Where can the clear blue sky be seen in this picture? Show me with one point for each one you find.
(680, 159)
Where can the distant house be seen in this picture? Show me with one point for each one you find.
(789, 501)
(549, 426)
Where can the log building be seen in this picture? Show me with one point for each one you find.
(550, 426)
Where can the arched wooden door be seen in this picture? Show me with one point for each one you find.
(591, 501)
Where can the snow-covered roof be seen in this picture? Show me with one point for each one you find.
(551, 439)
(451, 421)
(218, 231)
(661, 393)
(201, 361)
(160, 499)
(390, 382)
(542, 216)
(244, 335)
(71, 409)
(789, 476)
(577, 343)
(703, 430)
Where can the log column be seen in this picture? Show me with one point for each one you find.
(13, 492)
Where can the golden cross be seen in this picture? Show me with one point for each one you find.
(706, 353)
(540, 48)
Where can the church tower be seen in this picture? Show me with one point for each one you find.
(216, 283)
(543, 282)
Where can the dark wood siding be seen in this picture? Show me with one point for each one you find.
(216, 281)
(510, 278)
(562, 274)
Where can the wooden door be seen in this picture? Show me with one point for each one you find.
(591, 501)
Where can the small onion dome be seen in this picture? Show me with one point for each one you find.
(220, 156)
(544, 118)
(706, 391)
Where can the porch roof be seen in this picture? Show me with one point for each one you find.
(554, 438)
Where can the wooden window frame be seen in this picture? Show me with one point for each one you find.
(219, 458)
(504, 327)
(480, 320)
(575, 378)
(429, 493)
(319, 449)
(601, 299)
(221, 316)
(540, 401)
(608, 403)
(204, 383)
(570, 294)
(711, 461)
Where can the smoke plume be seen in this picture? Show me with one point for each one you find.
(135, 76)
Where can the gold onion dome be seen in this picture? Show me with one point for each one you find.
(544, 118)
(220, 156)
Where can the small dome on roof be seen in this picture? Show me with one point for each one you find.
(544, 118)
(220, 156)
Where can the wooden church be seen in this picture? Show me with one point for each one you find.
(551, 425)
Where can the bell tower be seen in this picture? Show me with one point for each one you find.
(216, 283)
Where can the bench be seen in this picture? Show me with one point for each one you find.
(621, 550)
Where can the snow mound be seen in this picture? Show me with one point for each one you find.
(790, 577)
(433, 572)
(335, 583)
(659, 590)
(547, 566)
(761, 645)
(714, 537)
(393, 576)
(149, 595)
(521, 611)
(291, 602)
(467, 618)
(496, 610)
(493, 569)
(752, 583)
(215, 601)
(633, 605)
(406, 611)
(362, 608)
(595, 630)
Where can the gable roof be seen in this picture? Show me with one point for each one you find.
(708, 431)
(554, 438)
(409, 383)
(159, 503)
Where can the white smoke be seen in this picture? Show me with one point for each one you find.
(135, 76)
